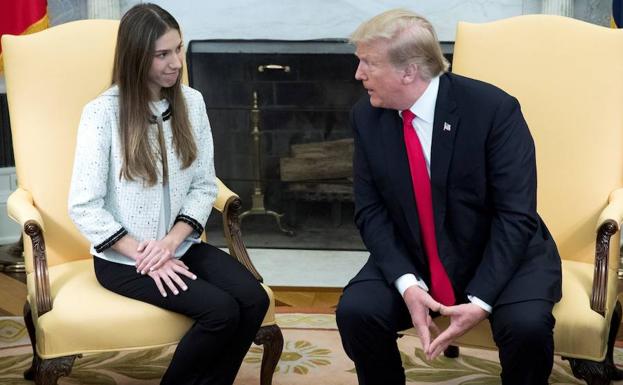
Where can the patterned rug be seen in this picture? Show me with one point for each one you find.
(312, 355)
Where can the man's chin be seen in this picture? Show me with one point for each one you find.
(375, 102)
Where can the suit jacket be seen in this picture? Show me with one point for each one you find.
(491, 240)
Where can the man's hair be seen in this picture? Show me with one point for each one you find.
(139, 29)
(410, 38)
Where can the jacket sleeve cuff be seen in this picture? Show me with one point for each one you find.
(111, 240)
(198, 227)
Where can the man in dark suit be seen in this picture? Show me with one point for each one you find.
(445, 200)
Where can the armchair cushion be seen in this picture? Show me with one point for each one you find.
(81, 321)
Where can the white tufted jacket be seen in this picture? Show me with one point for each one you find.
(106, 207)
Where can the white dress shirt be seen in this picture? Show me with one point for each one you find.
(424, 110)
(157, 109)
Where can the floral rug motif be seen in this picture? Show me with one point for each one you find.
(312, 355)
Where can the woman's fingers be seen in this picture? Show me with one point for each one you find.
(144, 257)
(141, 246)
(183, 270)
(157, 256)
(156, 278)
(176, 278)
(169, 283)
(169, 277)
(179, 262)
(142, 266)
(163, 257)
(147, 247)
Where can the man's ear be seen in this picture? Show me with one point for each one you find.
(411, 73)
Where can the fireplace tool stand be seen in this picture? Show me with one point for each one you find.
(257, 199)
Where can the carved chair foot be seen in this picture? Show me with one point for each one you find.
(44, 372)
(594, 373)
(451, 351)
(272, 339)
(48, 372)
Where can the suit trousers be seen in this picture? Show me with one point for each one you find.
(227, 303)
(371, 313)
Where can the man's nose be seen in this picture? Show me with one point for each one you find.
(359, 73)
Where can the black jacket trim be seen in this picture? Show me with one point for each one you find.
(191, 221)
(111, 240)
(165, 116)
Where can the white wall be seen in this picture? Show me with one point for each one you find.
(9, 230)
(306, 19)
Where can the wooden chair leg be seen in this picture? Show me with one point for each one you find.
(600, 373)
(44, 372)
(272, 339)
(29, 374)
(451, 351)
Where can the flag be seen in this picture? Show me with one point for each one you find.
(19, 17)
(616, 21)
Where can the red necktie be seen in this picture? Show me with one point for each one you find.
(441, 288)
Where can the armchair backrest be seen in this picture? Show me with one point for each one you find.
(50, 76)
(568, 77)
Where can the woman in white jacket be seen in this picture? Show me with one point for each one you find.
(143, 185)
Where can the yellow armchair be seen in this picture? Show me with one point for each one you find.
(50, 76)
(568, 77)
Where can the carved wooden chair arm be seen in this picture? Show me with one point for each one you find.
(22, 210)
(607, 225)
(228, 203)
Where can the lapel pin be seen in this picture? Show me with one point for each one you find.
(447, 126)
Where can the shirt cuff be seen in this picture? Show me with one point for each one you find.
(405, 281)
(480, 303)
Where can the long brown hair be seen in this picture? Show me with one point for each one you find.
(139, 29)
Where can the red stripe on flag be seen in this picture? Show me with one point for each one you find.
(17, 16)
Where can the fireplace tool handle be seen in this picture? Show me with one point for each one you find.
(257, 199)
(265, 67)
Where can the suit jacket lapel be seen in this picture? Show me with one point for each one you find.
(398, 168)
(445, 125)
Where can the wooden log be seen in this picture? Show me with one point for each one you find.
(332, 148)
(321, 188)
(299, 169)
